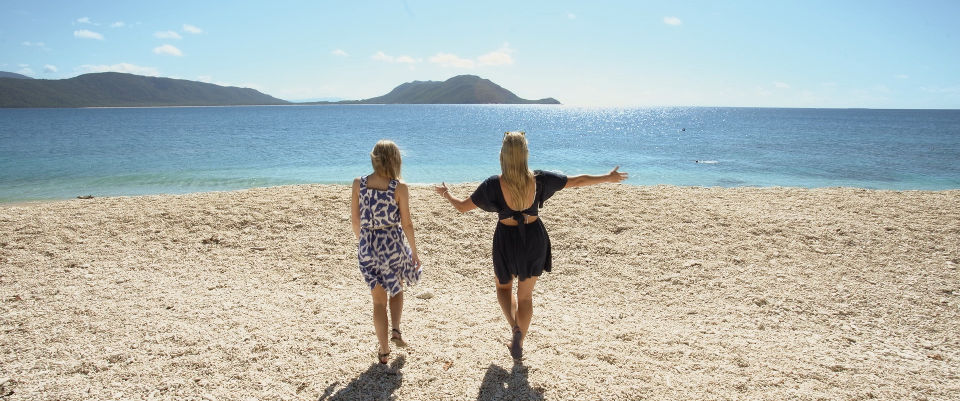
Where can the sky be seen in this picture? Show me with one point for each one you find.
(870, 54)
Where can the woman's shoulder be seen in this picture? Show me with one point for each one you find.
(548, 173)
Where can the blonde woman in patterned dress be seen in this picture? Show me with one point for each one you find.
(380, 213)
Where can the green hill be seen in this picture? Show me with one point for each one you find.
(113, 89)
(461, 89)
(4, 74)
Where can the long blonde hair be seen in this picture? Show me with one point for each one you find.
(517, 177)
(385, 158)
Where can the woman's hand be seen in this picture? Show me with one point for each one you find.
(416, 260)
(441, 189)
(616, 176)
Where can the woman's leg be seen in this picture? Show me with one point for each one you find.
(396, 309)
(507, 302)
(380, 317)
(525, 303)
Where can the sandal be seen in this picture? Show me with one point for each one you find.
(395, 335)
(516, 351)
(383, 358)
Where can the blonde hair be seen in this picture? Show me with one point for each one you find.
(385, 158)
(517, 177)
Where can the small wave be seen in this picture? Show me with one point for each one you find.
(706, 161)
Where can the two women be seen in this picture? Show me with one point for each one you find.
(521, 246)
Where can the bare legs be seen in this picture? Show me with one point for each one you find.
(380, 318)
(508, 303)
(396, 309)
(525, 303)
(518, 310)
(380, 302)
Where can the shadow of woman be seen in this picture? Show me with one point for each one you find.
(378, 382)
(498, 384)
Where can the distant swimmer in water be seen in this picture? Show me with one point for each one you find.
(683, 129)
(705, 161)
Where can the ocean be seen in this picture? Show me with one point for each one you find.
(50, 154)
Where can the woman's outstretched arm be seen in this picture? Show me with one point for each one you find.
(586, 179)
(462, 205)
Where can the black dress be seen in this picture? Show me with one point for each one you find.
(522, 250)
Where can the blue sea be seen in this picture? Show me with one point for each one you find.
(63, 153)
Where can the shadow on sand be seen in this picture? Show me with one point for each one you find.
(378, 382)
(499, 384)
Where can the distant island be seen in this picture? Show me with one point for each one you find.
(4, 74)
(461, 89)
(113, 89)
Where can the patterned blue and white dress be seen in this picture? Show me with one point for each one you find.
(384, 258)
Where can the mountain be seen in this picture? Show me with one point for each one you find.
(4, 74)
(461, 89)
(114, 89)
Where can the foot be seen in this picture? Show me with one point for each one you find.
(516, 350)
(395, 336)
(383, 357)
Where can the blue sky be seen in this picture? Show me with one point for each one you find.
(876, 54)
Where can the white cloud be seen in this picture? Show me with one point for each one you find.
(902, 76)
(33, 44)
(25, 70)
(451, 60)
(381, 56)
(672, 21)
(167, 35)
(122, 67)
(168, 50)
(49, 68)
(192, 29)
(500, 56)
(781, 85)
(571, 16)
(85, 34)
(339, 52)
(84, 20)
(118, 24)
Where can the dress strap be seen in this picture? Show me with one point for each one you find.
(363, 182)
(393, 185)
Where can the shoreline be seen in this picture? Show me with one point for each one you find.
(27, 203)
(656, 293)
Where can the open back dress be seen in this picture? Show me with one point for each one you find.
(522, 250)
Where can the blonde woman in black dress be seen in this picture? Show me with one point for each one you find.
(521, 247)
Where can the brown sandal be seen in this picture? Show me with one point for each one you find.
(383, 358)
(395, 335)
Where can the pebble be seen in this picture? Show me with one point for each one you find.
(692, 263)
(425, 295)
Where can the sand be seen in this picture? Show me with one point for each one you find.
(657, 293)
